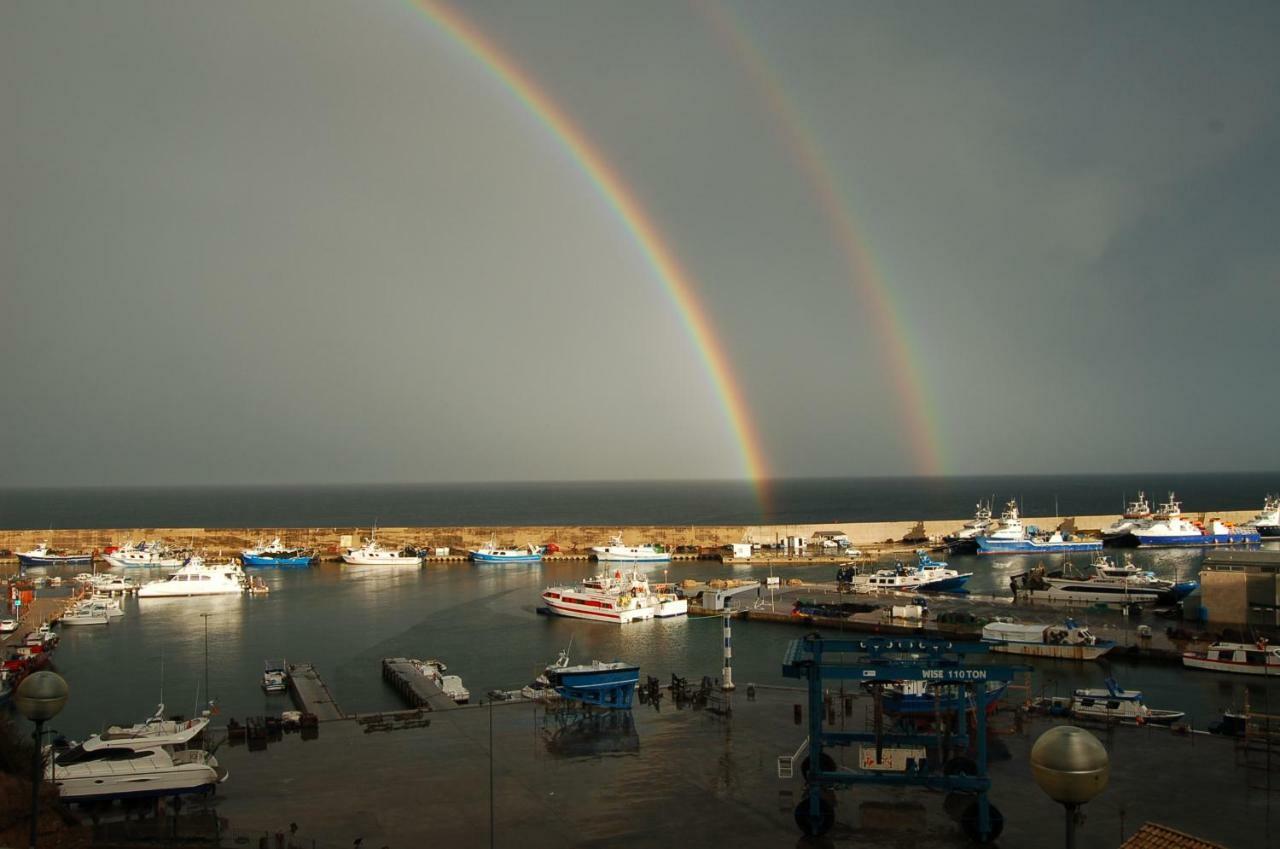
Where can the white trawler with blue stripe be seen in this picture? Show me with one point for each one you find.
(1012, 537)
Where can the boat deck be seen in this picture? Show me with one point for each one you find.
(311, 694)
(416, 689)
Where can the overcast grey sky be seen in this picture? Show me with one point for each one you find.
(318, 242)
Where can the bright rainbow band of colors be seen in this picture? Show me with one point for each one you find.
(677, 281)
(906, 375)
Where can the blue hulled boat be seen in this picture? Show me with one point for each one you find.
(41, 555)
(275, 554)
(492, 554)
(922, 700)
(1012, 537)
(1170, 529)
(608, 685)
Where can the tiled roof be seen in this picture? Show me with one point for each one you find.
(1155, 836)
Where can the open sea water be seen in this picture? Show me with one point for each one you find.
(787, 501)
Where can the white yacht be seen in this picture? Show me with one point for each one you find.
(615, 598)
(373, 554)
(141, 760)
(112, 604)
(1109, 584)
(198, 578)
(108, 584)
(151, 555)
(619, 551)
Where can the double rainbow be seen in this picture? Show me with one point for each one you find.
(609, 183)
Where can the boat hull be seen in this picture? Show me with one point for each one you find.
(357, 560)
(168, 783)
(576, 610)
(54, 559)
(1237, 667)
(987, 545)
(611, 688)
(260, 562)
(1060, 652)
(480, 557)
(1190, 540)
(622, 557)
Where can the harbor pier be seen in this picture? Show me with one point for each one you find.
(415, 688)
(311, 694)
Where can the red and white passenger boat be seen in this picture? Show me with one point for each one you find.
(1260, 658)
(615, 598)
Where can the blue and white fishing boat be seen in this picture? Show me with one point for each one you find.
(42, 555)
(608, 685)
(491, 553)
(1170, 529)
(1012, 537)
(965, 540)
(928, 575)
(275, 554)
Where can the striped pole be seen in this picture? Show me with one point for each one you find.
(727, 678)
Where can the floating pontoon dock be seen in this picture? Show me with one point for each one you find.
(415, 688)
(310, 693)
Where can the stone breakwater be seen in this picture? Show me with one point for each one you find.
(568, 537)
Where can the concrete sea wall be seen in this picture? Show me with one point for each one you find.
(568, 537)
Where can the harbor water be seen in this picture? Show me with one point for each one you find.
(482, 621)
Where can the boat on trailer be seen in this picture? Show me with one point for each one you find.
(603, 684)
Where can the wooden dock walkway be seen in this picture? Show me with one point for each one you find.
(311, 694)
(415, 688)
(33, 615)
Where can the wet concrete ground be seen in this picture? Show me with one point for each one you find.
(691, 777)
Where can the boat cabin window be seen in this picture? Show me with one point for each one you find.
(179, 577)
(1255, 658)
(78, 755)
(1113, 705)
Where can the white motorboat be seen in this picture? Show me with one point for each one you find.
(114, 606)
(1115, 704)
(85, 613)
(927, 575)
(275, 677)
(619, 551)
(108, 584)
(153, 555)
(135, 762)
(198, 578)
(1068, 641)
(1260, 658)
(373, 554)
(615, 598)
(450, 685)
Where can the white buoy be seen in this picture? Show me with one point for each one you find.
(727, 678)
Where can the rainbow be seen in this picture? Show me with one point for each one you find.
(609, 183)
(906, 375)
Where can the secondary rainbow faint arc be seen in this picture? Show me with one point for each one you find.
(609, 182)
(906, 374)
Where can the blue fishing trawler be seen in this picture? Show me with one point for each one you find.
(42, 555)
(491, 553)
(275, 554)
(1012, 537)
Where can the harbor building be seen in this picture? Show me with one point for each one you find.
(1241, 589)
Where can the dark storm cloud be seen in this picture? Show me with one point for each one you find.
(303, 242)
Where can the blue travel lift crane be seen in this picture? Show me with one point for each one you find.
(878, 661)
